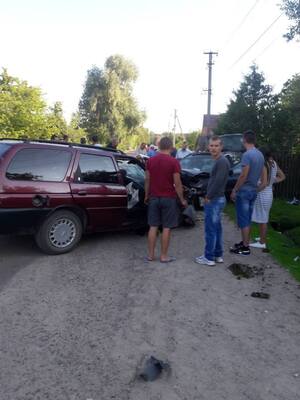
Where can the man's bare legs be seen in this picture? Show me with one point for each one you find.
(246, 235)
(165, 240)
(152, 235)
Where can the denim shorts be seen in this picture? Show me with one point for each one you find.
(244, 207)
(163, 211)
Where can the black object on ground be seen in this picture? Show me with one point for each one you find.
(245, 271)
(260, 295)
(152, 369)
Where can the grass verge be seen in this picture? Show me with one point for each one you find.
(282, 249)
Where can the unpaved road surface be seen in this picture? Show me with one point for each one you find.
(76, 327)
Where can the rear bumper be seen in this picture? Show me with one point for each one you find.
(21, 220)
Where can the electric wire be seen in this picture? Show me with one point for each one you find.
(267, 47)
(240, 24)
(256, 41)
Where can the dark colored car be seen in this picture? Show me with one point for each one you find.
(58, 191)
(196, 169)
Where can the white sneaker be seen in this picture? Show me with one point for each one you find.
(258, 245)
(204, 261)
(219, 259)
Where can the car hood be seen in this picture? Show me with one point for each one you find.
(194, 177)
(194, 173)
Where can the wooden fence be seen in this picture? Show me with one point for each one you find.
(290, 165)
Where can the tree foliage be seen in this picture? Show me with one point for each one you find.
(55, 120)
(275, 118)
(251, 107)
(22, 109)
(107, 106)
(286, 126)
(291, 9)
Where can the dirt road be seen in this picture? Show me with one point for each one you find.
(75, 327)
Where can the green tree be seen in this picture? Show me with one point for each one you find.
(251, 108)
(286, 125)
(22, 109)
(291, 9)
(56, 122)
(107, 106)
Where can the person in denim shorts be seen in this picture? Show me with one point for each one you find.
(162, 186)
(245, 191)
(214, 204)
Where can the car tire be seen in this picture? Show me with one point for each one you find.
(59, 233)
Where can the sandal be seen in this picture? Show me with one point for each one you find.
(147, 259)
(170, 259)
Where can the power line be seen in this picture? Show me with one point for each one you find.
(240, 24)
(267, 47)
(257, 40)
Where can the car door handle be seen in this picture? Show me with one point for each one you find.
(82, 193)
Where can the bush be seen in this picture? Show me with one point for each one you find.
(294, 235)
(283, 223)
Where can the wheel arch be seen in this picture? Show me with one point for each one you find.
(80, 212)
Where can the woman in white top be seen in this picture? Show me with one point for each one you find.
(271, 174)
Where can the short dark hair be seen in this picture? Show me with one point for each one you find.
(249, 137)
(165, 143)
(95, 138)
(215, 138)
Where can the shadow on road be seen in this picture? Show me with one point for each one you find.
(16, 253)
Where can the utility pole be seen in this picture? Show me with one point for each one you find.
(176, 119)
(209, 90)
(174, 127)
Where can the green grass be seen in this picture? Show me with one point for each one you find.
(282, 249)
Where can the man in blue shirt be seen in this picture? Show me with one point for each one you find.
(245, 191)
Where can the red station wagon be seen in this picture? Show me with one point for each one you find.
(58, 191)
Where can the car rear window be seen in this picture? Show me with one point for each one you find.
(39, 165)
(3, 148)
(97, 169)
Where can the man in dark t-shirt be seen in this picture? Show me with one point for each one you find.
(162, 186)
(214, 205)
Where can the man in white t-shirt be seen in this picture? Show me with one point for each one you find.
(183, 152)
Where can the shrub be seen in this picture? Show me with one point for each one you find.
(294, 235)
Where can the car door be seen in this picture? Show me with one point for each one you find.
(96, 187)
(134, 179)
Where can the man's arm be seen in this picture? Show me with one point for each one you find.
(280, 175)
(179, 188)
(241, 180)
(147, 185)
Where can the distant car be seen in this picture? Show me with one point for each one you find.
(195, 173)
(57, 191)
(233, 142)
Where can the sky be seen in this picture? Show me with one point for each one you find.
(52, 44)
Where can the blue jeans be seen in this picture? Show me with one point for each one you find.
(244, 204)
(213, 228)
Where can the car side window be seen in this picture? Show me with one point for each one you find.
(39, 165)
(96, 169)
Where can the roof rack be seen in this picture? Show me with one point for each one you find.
(69, 144)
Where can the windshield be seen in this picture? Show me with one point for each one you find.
(199, 162)
(233, 142)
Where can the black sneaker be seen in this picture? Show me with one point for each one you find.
(237, 245)
(243, 250)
